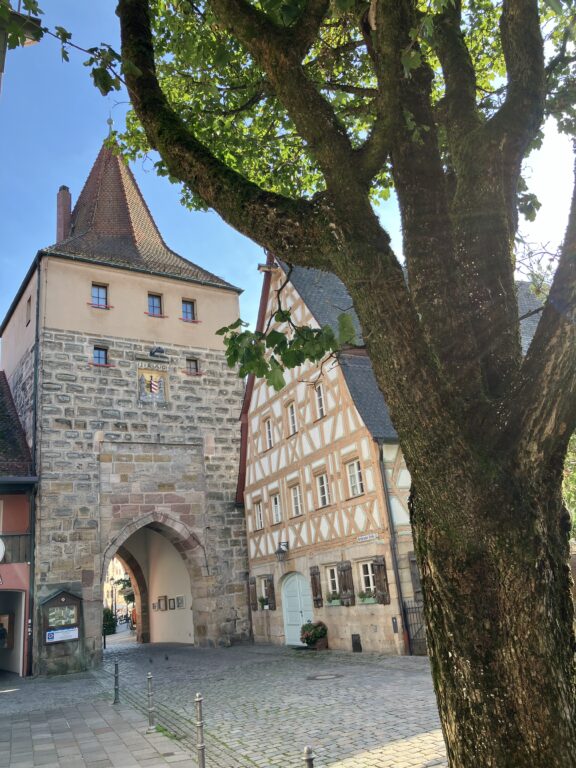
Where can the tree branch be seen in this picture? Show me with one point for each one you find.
(313, 116)
(303, 34)
(273, 220)
(544, 406)
(459, 74)
(407, 114)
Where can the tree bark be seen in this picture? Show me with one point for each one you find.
(499, 618)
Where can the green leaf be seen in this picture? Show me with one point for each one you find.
(410, 59)
(346, 332)
(555, 5)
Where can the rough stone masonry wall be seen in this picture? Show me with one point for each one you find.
(89, 418)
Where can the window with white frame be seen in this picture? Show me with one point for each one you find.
(276, 509)
(292, 425)
(355, 482)
(323, 490)
(268, 433)
(367, 577)
(297, 507)
(258, 516)
(332, 581)
(320, 401)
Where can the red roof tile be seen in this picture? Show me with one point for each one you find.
(111, 224)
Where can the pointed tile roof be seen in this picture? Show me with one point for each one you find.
(15, 458)
(111, 225)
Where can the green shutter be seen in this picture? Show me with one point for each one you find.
(253, 596)
(381, 580)
(346, 583)
(316, 585)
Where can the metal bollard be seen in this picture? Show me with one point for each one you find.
(104, 641)
(200, 746)
(308, 758)
(116, 684)
(151, 713)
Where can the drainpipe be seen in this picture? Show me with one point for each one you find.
(393, 548)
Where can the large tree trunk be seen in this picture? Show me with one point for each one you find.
(499, 618)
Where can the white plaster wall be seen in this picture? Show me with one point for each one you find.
(168, 576)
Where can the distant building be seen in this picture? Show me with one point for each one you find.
(131, 413)
(325, 488)
(17, 486)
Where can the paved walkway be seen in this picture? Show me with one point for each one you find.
(262, 705)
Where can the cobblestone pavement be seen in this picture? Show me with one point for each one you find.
(69, 722)
(263, 704)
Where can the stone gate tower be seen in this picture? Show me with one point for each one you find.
(131, 412)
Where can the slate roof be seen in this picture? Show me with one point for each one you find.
(15, 458)
(111, 225)
(326, 297)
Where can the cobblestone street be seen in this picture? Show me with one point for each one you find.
(262, 705)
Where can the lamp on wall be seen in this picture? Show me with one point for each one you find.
(282, 551)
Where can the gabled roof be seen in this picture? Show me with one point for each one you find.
(111, 225)
(326, 297)
(15, 458)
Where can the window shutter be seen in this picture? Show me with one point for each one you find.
(346, 583)
(381, 580)
(269, 590)
(415, 576)
(252, 593)
(316, 585)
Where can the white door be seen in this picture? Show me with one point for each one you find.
(297, 606)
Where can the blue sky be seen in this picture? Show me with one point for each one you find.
(53, 122)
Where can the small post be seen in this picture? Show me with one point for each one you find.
(308, 757)
(151, 713)
(200, 746)
(116, 684)
(104, 641)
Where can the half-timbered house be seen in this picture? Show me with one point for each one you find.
(325, 489)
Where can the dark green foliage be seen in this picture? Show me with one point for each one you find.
(109, 622)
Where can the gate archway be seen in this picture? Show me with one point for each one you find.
(164, 559)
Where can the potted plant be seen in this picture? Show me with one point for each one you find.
(263, 603)
(367, 596)
(315, 635)
(333, 598)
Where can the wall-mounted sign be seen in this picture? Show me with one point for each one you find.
(62, 618)
(152, 383)
(61, 635)
(367, 537)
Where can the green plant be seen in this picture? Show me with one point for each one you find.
(367, 594)
(313, 631)
(109, 622)
(333, 596)
(263, 601)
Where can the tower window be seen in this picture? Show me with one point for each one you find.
(100, 356)
(154, 305)
(188, 311)
(192, 366)
(99, 296)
